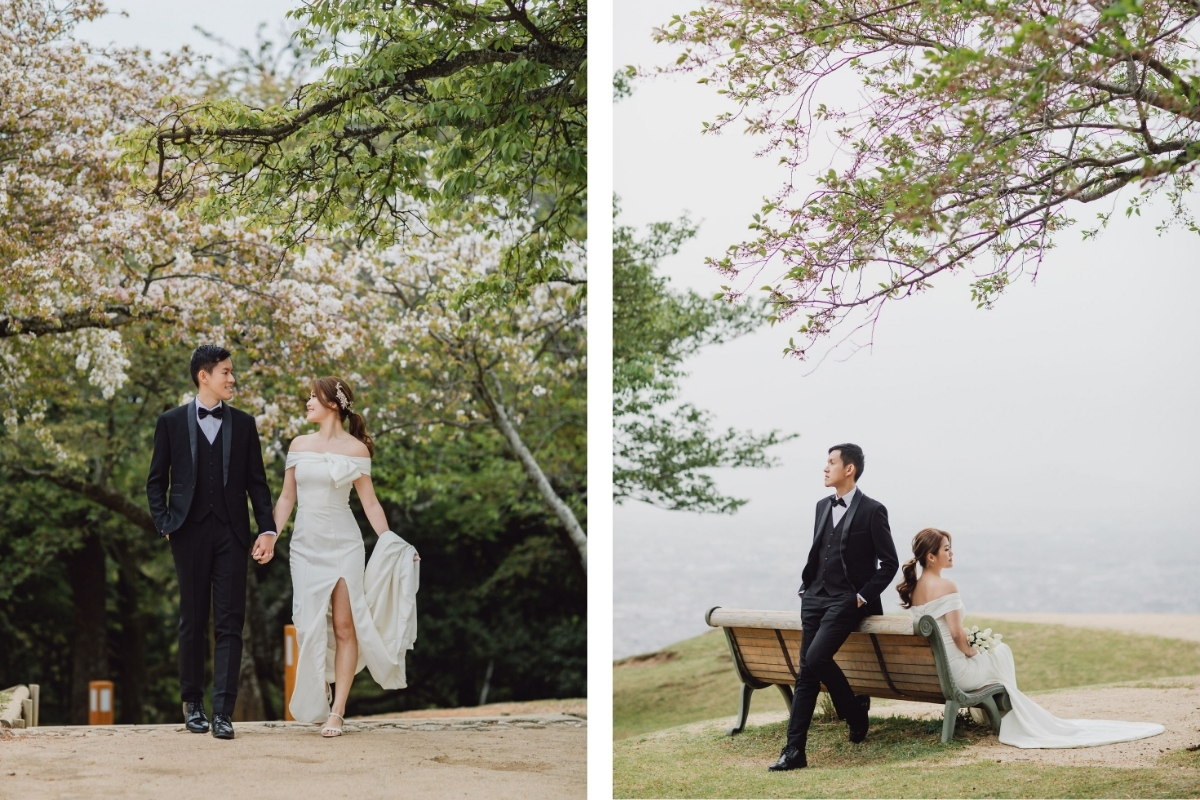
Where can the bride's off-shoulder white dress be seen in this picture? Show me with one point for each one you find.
(326, 545)
(1028, 724)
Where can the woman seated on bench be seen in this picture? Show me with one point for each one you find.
(1028, 724)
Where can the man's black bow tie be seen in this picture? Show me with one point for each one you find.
(838, 501)
(216, 412)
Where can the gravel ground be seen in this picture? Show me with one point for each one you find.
(516, 756)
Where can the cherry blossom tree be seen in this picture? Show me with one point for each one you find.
(980, 130)
(465, 360)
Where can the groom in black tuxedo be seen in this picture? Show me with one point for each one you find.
(207, 459)
(851, 562)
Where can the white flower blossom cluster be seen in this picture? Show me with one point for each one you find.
(101, 354)
(984, 641)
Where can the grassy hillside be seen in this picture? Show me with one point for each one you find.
(694, 680)
(901, 758)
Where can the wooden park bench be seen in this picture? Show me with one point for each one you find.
(890, 657)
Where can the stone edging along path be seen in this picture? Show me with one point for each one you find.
(521, 721)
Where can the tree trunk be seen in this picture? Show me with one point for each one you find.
(89, 641)
(131, 689)
(566, 516)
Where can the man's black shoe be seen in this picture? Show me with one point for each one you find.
(194, 719)
(222, 726)
(790, 758)
(861, 721)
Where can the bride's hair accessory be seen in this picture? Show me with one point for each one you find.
(924, 544)
(342, 401)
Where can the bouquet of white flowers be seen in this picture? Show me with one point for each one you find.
(984, 640)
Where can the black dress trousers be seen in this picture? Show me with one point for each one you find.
(211, 566)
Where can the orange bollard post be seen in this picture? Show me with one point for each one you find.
(291, 651)
(100, 703)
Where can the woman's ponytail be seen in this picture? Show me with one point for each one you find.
(924, 544)
(358, 429)
(906, 586)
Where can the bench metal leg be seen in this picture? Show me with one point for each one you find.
(989, 705)
(788, 695)
(743, 710)
(951, 716)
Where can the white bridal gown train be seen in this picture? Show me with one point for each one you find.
(1028, 724)
(327, 545)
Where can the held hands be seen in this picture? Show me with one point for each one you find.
(264, 548)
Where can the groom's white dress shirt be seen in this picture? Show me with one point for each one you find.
(839, 512)
(211, 426)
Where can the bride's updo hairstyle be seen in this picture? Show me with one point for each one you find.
(924, 544)
(335, 392)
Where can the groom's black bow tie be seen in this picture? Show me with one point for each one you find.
(838, 501)
(216, 412)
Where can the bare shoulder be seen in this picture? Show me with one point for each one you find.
(348, 445)
(301, 443)
(932, 587)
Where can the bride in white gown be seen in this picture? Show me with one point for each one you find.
(1027, 724)
(347, 616)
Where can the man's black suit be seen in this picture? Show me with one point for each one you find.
(197, 493)
(855, 557)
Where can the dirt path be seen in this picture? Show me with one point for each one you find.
(1174, 703)
(517, 756)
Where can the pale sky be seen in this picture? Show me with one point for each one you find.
(163, 25)
(1068, 410)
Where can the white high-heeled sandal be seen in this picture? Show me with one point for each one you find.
(329, 732)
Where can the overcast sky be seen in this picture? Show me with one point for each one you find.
(160, 25)
(1069, 409)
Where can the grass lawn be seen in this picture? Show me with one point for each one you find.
(902, 758)
(694, 680)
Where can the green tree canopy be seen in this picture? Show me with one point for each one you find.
(457, 105)
(661, 447)
(982, 127)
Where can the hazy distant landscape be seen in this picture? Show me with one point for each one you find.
(666, 579)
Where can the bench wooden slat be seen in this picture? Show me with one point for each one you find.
(874, 676)
(760, 663)
(891, 654)
(873, 673)
(765, 633)
(781, 678)
(887, 656)
(790, 620)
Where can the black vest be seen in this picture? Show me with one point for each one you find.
(209, 496)
(831, 579)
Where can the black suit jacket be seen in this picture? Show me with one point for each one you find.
(172, 480)
(867, 552)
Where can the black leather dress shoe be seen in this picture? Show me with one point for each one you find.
(790, 758)
(222, 726)
(861, 720)
(194, 719)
